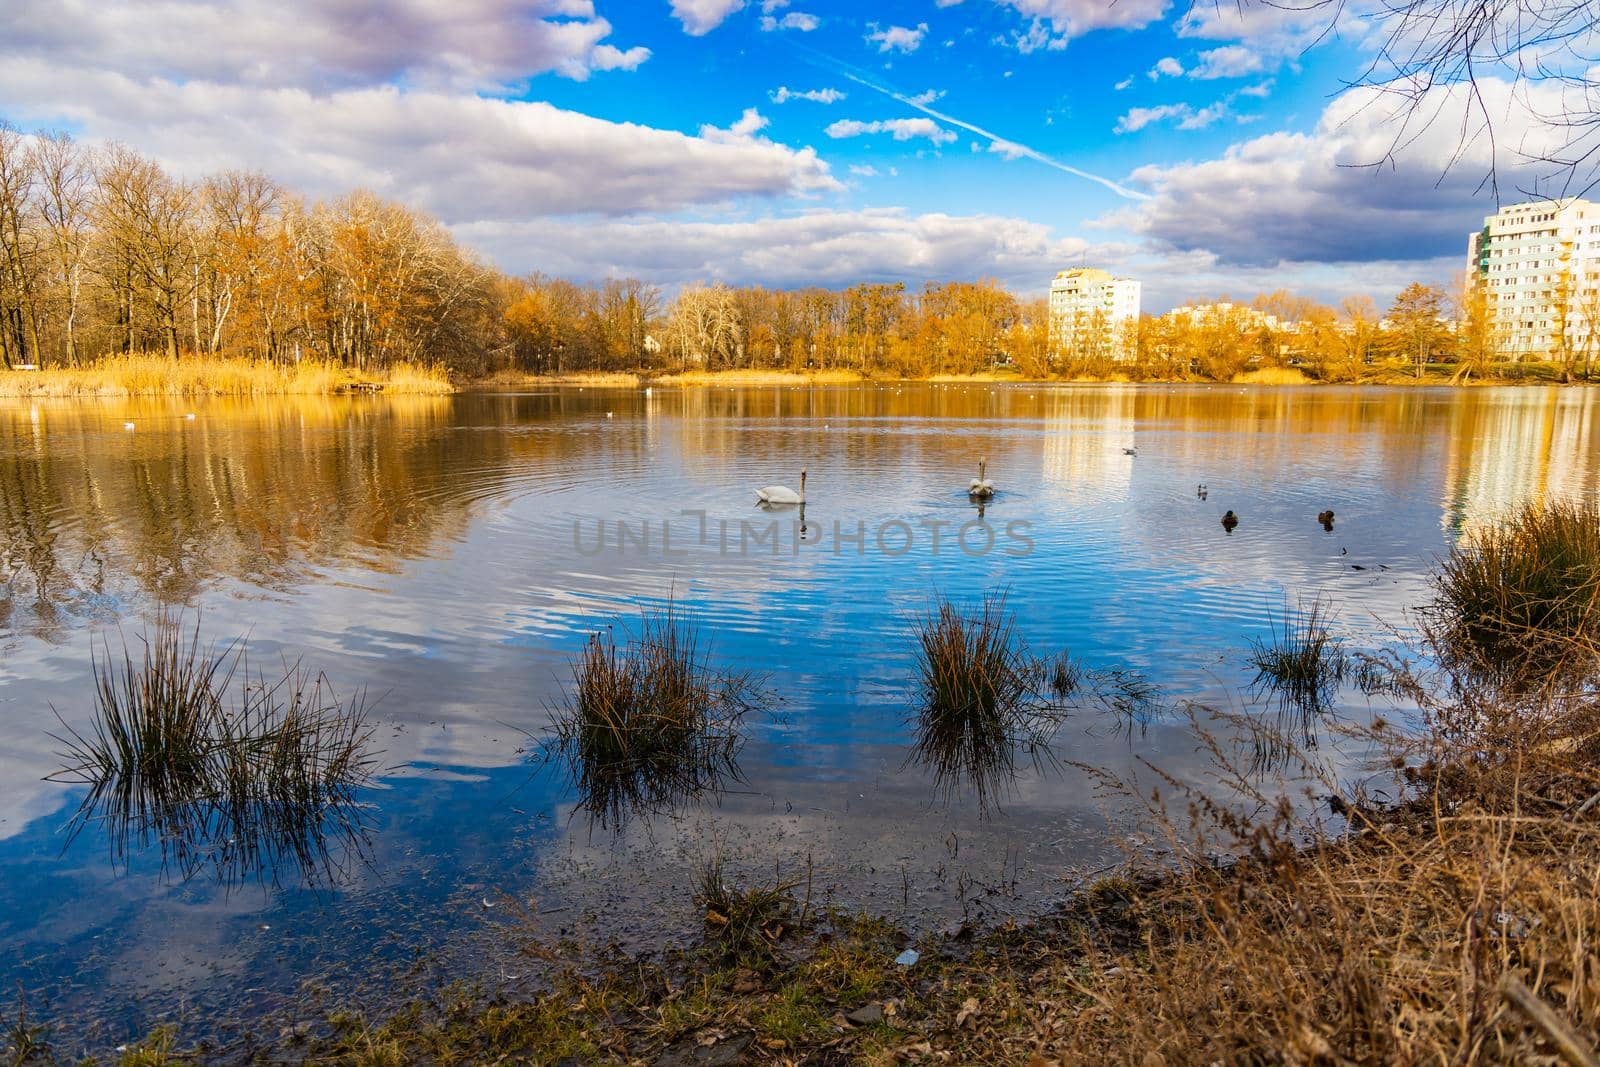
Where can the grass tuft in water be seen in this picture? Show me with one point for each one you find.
(983, 698)
(746, 923)
(1304, 662)
(26, 1042)
(1520, 601)
(650, 722)
(247, 774)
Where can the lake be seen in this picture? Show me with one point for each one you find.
(450, 556)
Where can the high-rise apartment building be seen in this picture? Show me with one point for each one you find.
(1092, 312)
(1537, 266)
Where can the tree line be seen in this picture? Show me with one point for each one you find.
(102, 251)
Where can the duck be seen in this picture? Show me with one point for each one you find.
(1229, 521)
(981, 486)
(1201, 491)
(1130, 451)
(782, 494)
(1326, 518)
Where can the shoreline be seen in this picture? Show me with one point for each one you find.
(1327, 949)
(1277, 377)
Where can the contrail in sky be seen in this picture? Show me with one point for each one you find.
(1005, 144)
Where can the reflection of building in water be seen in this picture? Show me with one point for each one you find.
(1515, 448)
(1085, 433)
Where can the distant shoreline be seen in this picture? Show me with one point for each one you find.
(1440, 375)
(203, 376)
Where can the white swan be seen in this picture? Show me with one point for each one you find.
(782, 494)
(127, 426)
(981, 486)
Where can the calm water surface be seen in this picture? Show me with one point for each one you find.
(451, 554)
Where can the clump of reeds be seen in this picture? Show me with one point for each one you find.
(243, 773)
(745, 922)
(1519, 602)
(650, 722)
(1303, 661)
(983, 697)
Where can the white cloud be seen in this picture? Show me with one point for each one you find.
(700, 17)
(810, 248)
(1138, 118)
(461, 157)
(863, 170)
(1229, 61)
(1008, 149)
(1123, 84)
(1205, 116)
(900, 129)
(1321, 197)
(783, 94)
(309, 44)
(1036, 38)
(1276, 31)
(749, 124)
(899, 38)
(1074, 18)
(923, 99)
(1166, 67)
(794, 20)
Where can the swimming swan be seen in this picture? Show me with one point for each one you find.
(782, 494)
(981, 486)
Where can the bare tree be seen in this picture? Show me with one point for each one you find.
(66, 197)
(18, 247)
(147, 217)
(1427, 45)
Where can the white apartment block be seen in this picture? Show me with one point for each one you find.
(1094, 311)
(1538, 265)
(1222, 311)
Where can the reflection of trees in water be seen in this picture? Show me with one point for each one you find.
(41, 575)
(261, 490)
(257, 491)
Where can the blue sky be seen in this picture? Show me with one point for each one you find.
(1205, 150)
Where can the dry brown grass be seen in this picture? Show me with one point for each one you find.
(157, 375)
(1454, 923)
(1272, 376)
(762, 377)
(510, 379)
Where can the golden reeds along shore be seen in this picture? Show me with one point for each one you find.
(158, 375)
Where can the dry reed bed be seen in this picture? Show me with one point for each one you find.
(155, 375)
(628, 379)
